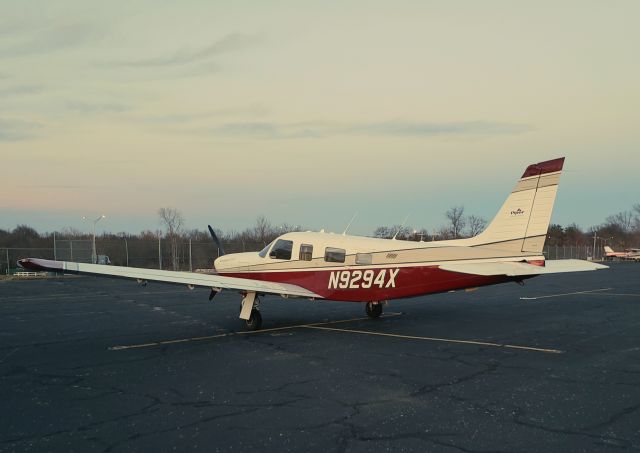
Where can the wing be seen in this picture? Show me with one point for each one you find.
(184, 278)
(514, 269)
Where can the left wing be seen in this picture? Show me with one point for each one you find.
(185, 278)
(514, 268)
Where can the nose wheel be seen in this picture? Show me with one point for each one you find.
(249, 311)
(374, 309)
(255, 320)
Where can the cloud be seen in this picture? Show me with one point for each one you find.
(453, 128)
(97, 107)
(229, 43)
(252, 110)
(15, 130)
(266, 130)
(49, 40)
(19, 90)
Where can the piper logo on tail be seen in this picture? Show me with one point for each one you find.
(355, 279)
(517, 212)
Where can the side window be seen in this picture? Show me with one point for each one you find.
(306, 252)
(364, 258)
(332, 255)
(281, 250)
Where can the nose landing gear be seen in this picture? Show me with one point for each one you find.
(249, 311)
(255, 320)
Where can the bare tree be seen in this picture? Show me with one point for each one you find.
(457, 221)
(573, 235)
(383, 232)
(476, 225)
(70, 232)
(173, 221)
(263, 229)
(624, 220)
(636, 219)
(443, 233)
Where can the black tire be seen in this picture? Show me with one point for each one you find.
(374, 310)
(255, 320)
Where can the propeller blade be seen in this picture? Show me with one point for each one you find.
(216, 240)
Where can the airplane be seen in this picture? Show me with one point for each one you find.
(341, 267)
(628, 254)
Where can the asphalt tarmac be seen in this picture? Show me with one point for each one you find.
(99, 365)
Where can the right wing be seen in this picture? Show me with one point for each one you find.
(515, 269)
(186, 278)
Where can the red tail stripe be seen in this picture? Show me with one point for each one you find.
(542, 168)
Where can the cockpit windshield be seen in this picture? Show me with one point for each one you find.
(265, 250)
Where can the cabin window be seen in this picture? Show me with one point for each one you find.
(332, 255)
(281, 250)
(364, 258)
(306, 252)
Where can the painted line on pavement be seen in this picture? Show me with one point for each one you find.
(442, 340)
(567, 294)
(247, 332)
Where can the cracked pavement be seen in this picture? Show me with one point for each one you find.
(301, 389)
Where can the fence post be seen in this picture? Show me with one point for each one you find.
(55, 254)
(8, 264)
(126, 251)
(190, 261)
(159, 254)
(71, 248)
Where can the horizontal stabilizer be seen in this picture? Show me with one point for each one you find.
(514, 268)
(185, 278)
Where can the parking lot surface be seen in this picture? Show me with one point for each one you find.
(100, 365)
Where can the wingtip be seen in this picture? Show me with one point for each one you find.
(38, 264)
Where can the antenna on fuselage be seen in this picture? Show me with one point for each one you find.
(344, 233)
(401, 227)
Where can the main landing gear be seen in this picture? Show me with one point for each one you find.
(249, 311)
(374, 309)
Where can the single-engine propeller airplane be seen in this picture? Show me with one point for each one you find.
(319, 265)
(628, 254)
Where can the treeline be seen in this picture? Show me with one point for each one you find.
(458, 225)
(618, 230)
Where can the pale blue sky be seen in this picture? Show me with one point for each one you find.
(307, 112)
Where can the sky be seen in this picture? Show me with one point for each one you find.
(308, 112)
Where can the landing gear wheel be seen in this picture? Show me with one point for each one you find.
(374, 310)
(255, 320)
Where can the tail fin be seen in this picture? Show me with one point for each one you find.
(522, 222)
(608, 249)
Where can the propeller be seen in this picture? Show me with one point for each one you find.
(216, 240)
(215, 291)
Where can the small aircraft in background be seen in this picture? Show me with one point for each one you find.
(319, 265)
(628, 254)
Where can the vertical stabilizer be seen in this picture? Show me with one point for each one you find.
(522, 222)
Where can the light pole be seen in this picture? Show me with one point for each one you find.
(94, 256)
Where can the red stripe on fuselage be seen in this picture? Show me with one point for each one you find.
(407, 282)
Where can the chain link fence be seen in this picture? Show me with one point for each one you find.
(9, 257)
(579, 252)
(147, 253)
(190, 255)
